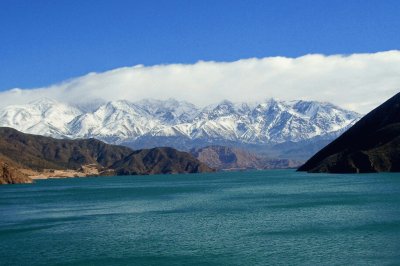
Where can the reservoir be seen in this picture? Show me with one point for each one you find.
(276, 217)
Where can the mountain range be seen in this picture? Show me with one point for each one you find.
(272, 126)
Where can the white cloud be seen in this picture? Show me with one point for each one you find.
(359, 82)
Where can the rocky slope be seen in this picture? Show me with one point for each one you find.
(9, 173)
(152, 123)
(39, 153)
(225, 158)
(371, 145)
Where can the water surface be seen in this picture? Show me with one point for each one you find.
(241, 218)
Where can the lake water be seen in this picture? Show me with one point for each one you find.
(238, 218)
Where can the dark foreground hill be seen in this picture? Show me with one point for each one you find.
(39, 153)
(371, 145)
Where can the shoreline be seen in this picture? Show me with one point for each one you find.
(85, 171)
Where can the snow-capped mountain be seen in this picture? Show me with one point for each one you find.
(156, 121)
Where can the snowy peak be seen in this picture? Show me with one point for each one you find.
(170, 111)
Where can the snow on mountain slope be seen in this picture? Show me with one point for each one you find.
(113, 122)
(43, 117)
(270, 121)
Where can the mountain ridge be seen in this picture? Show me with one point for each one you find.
(27, 153)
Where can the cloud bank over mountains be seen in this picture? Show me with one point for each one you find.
(358, 82)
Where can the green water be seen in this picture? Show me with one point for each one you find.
(243, 218)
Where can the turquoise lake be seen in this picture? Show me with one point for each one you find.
(233, 218)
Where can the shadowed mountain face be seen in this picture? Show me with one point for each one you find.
(371, 145)
(19, 150)
(221, 157)
(224, 158)
(159, 160)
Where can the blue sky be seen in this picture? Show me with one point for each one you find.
(43, 42)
